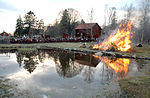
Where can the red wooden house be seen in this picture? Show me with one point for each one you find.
(88, 31)
(4, 34)
(4, 37)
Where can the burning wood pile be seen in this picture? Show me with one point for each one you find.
(119, 40)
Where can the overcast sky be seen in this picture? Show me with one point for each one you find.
(48, 10)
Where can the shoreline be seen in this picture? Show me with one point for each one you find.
(138, 53)
(127, 85)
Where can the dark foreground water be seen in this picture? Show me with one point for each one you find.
(62, 74)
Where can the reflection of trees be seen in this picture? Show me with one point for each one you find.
(41, 55)
(64, 60)
(90, 62)
(19, 58)
(140, 64)
(28, 57)
(47, 54)
(67, 67)
(89, 74)
(54, 54)
(30, 65)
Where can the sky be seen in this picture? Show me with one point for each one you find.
(48, 10)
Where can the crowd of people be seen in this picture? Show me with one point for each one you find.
(46, 40)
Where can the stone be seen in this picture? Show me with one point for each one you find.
(139, 45)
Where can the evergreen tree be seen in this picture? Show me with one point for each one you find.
(64, 22)
(82, 21)
(30, 23)
(19, 27)
(40, 27)
(69, 20)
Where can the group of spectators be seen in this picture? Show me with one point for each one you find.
(46, 40)
(25, 40)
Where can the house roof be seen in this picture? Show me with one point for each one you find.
(86, 26)
(4, 34)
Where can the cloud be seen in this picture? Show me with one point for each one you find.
(6, 6)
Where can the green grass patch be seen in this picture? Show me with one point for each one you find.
(27, 49)
(136, 87)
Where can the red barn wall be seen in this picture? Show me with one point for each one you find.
(85, 33)
(96, 31)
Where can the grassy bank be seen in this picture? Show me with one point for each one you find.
(136, 87)
(136, 51)
(27, 49)
(61, 44)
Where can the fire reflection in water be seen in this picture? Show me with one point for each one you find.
(119, 65)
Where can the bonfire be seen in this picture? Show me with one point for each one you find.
(120, 40)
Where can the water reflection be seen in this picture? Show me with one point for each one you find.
(28, 59)
(68, 64)
(64, 73)
(90, 62)
(67, 67)
(88, 73)
(119, 65)
(143, 66)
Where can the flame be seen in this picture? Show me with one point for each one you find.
(119, 40)
(119, 65)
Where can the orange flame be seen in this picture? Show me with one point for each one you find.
(119, 40)
(119, 65)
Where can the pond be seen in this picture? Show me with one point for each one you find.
(64, 74)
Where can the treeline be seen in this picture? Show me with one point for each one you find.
(30, 26)
(70, 18)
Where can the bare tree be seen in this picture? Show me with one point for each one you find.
(111, 12)
(110, 15)
(105, 15)
(74, 20)
(110, 22)
(91, 15)
(74, 15)
(129, 14)
(129, 11)
(145, 19)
